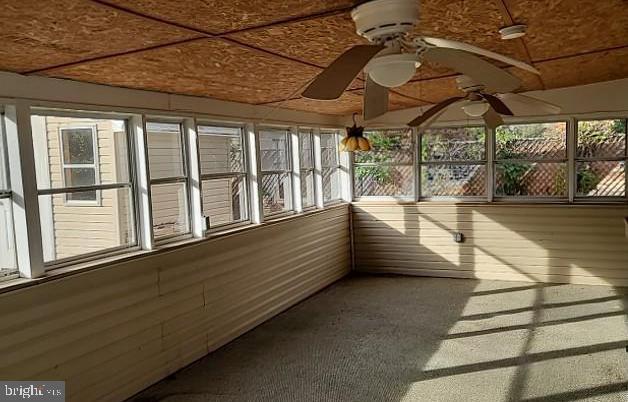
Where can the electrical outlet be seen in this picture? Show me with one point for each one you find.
(458, 237)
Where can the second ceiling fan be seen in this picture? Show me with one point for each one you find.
(392, 58)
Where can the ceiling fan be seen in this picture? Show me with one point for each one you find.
(392, 58)
(478, 101)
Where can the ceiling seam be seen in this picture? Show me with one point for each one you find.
(505, 11)
(112, 55)
(610, 49)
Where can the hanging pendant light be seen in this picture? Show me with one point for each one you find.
(355, 140)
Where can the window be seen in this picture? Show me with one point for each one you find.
(531, 160)
(386, 170)
(330, 166)
(223, 175)
(79, 161)
(8, 265)
(86, 203)
(306, 158)
(453, 162)
(601, 158)
(168, 180)
(276, 181)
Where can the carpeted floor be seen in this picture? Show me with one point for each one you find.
(383, 338)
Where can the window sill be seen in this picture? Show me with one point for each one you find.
(62, 272)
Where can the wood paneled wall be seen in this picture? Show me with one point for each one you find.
(546, 243)
(111, 332)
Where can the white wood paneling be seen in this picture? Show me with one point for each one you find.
(113, 331)
(544, 243)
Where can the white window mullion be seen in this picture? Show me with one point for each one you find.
(254, 173)
(21, 157)
(318, 168)
(144, 205)
(572, 130)
(346, 173)
(297, 200)
(197, 222)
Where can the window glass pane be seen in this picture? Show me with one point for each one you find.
(329, 150)
(306, 158)
(170, 209)
(225, 200)
(453, 144)
(531, 141)
(8, 265)
(274, 149)
(331, 184)
(165, 150)
(461, 180)
(601, 139)
(75, 151)
(601, 179)
(276, 193)
(388, 146)
(221, 149)
(75, 230)
(307, 188)
(78, 145)
(531, 179)
(396, 181)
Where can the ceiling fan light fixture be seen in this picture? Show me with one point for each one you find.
(513, 31)
(392, 70)
(475, 108)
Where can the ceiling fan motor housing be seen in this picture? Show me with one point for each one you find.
(382, 20)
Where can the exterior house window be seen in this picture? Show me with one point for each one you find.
(85, 189)
(306, 159)
(531, 160)
(223, 175)
(8, 265)
(453, 162)
(386, 170)
(79, 162)
(601, 159)
(276, 183)
(168, 180)
(330, 166)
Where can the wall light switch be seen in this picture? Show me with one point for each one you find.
(458, 237)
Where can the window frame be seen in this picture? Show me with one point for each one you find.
(131, 185)
(7, 194)
(476, 162)
(414, 194)
(287, 132)
(95, 165)
(532, 199)
(576, 159)
(210, 229)
(158, 241)
(308, 132)
(337, 168)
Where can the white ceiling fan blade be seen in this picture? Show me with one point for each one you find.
(533, 104)
(375, 99)
(492, 119)
(452, 44)
(480, 71)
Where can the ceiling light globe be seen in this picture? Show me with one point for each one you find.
(393, 75)
(475, 108)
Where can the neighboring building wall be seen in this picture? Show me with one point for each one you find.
(80, 229)
(545, 243)
(111, 332)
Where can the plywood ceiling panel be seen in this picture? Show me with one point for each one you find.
(348, 103)
(219, 16)
(35, 35)
(433, 90)
(207, 67)
(318, 41)
(568, 27)
(473, 21)
(585, 69)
